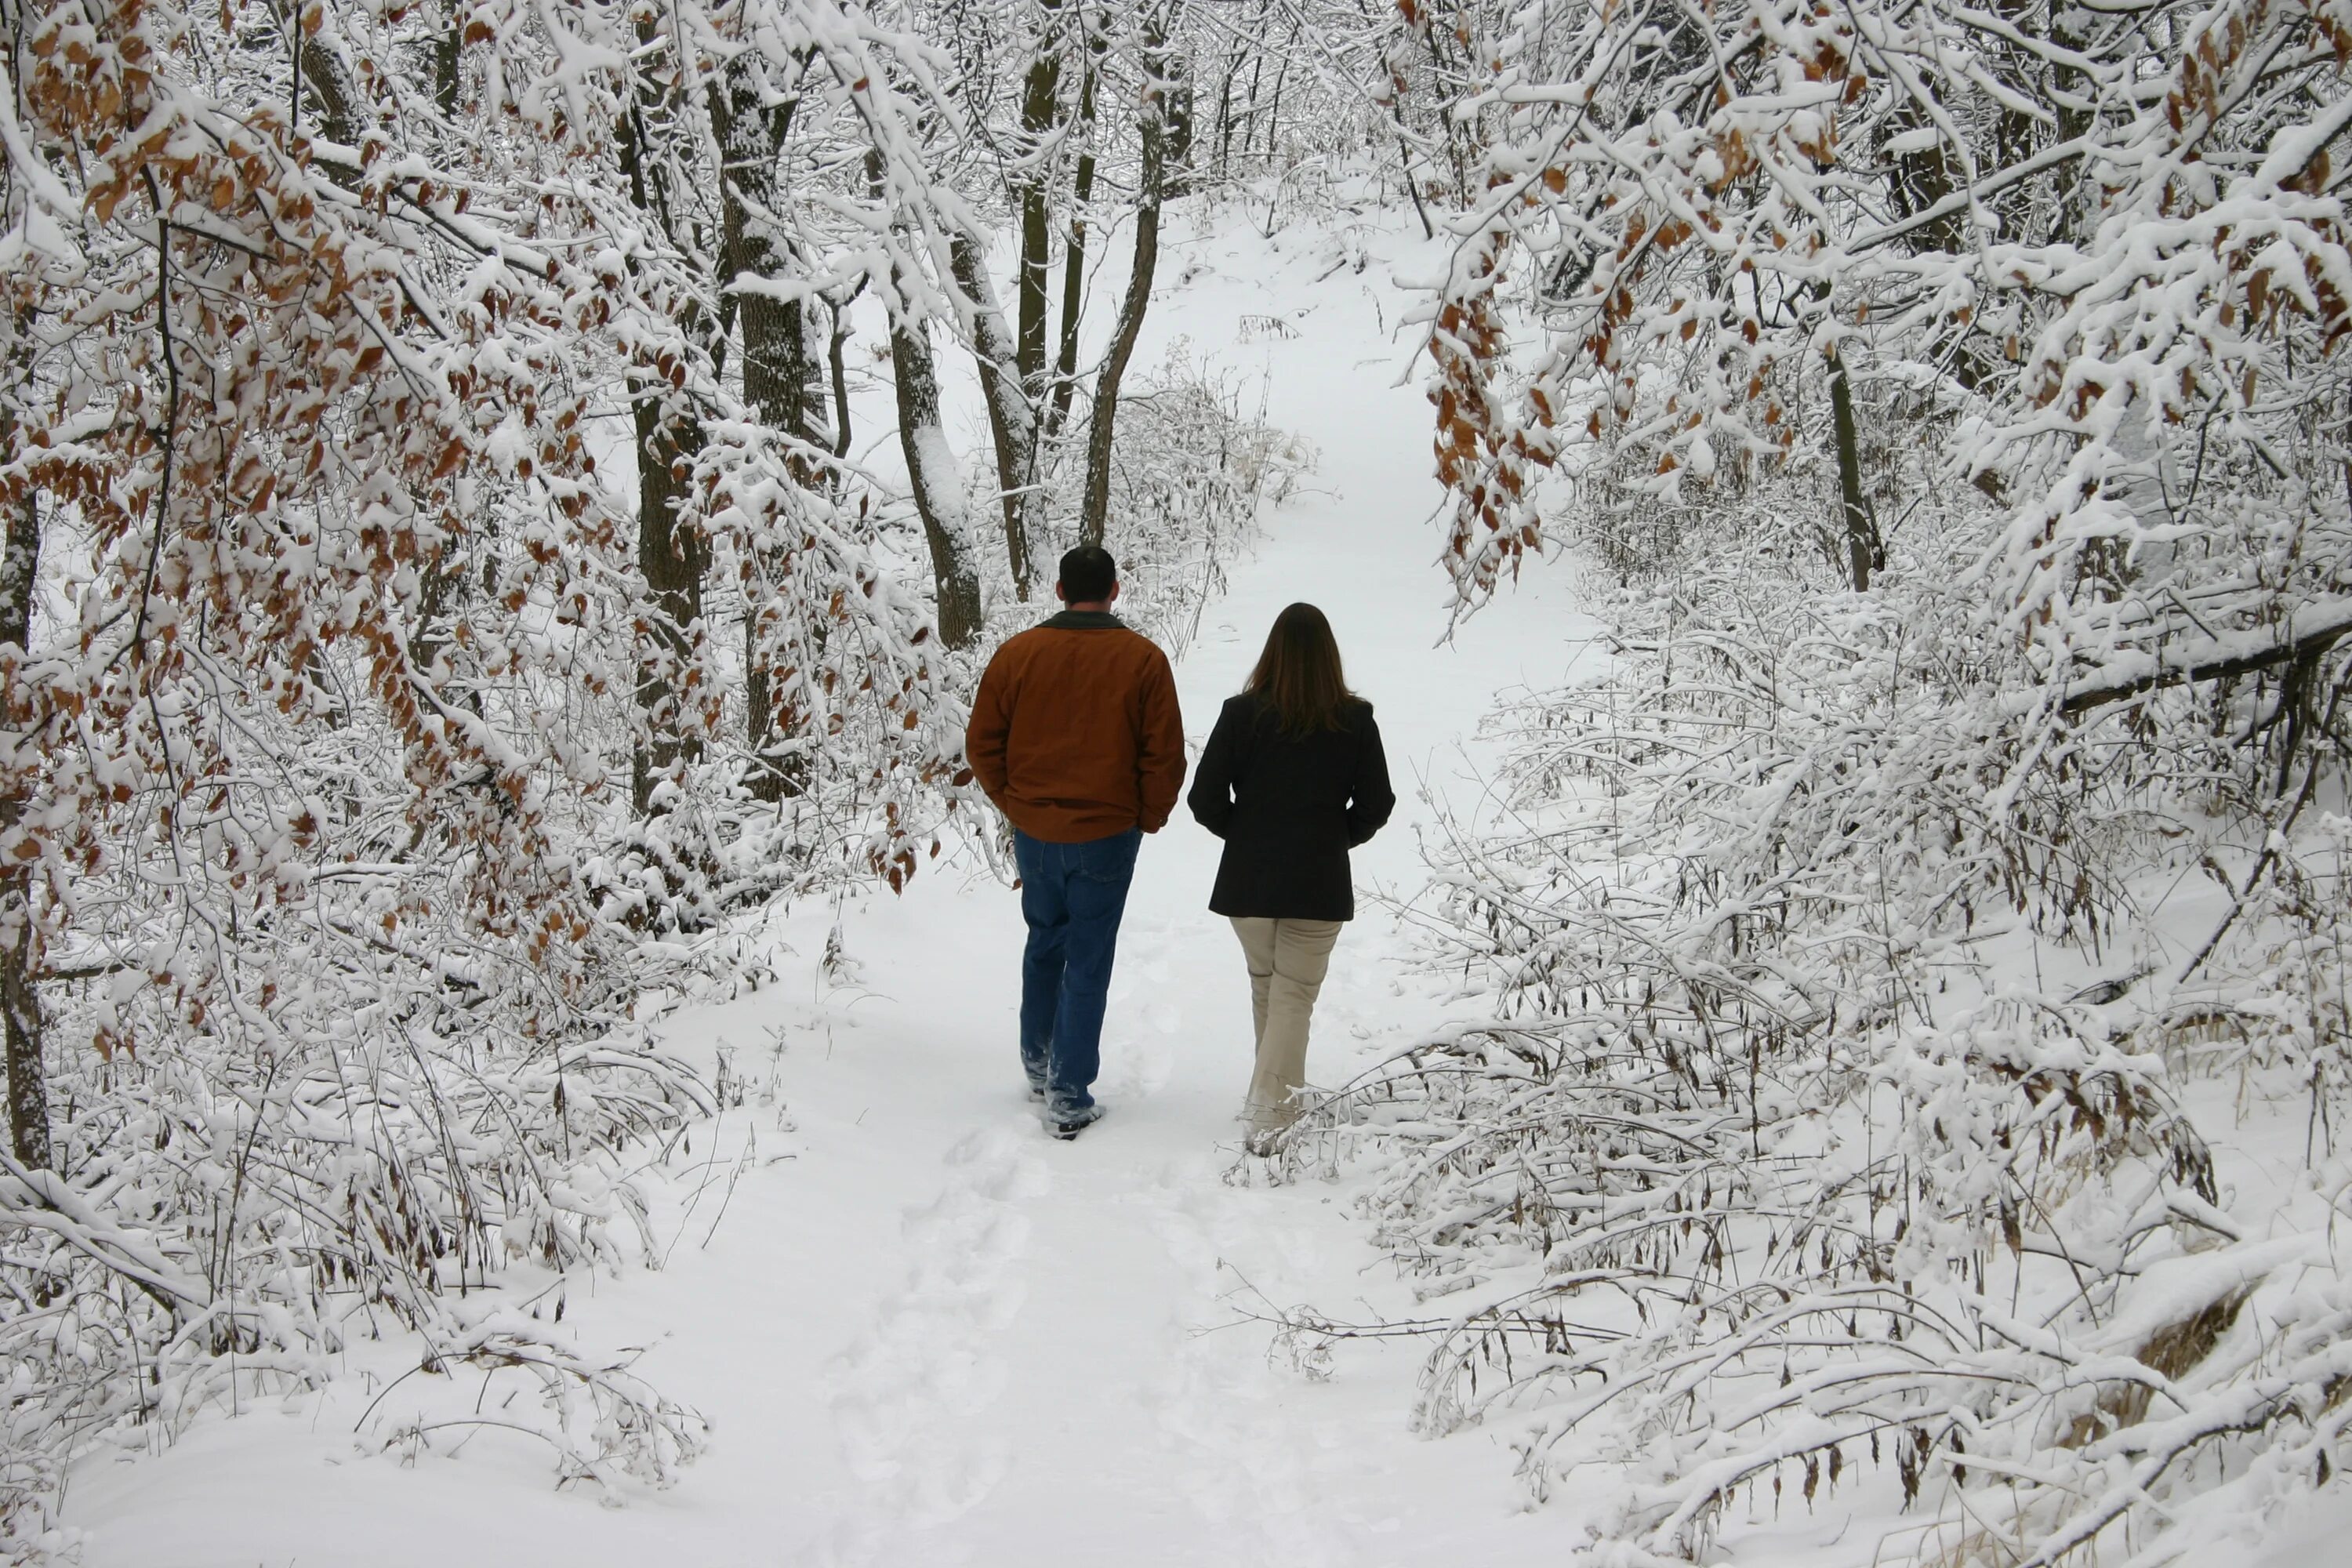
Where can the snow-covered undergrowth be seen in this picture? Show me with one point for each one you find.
(354, 1128)
(354, 1114)
(1834, 1125)
(1195, 471)
(1869, 945)
(1197, 466)
(340, 1053)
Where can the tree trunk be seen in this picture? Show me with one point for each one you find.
(931, 473)
(28, 1088)
(1157, 69)
(2306, 636)
(1258, 74)
(1274, 110)
(673, 553)
(1863, 549)
(835, 348)
(1177, 128)
(1040, 105)
(448, 45)
(1074, 254)
(779, 373)
(1225, 118)
(673, 559)
(938, 488)
(1012, 418)
(319, 72)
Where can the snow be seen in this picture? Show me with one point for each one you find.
(922, 1332)
(2317, 1534)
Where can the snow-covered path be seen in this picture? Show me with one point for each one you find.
(923, 1333)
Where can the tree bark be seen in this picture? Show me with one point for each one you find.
(319, 72)
(779, 373)
(2308, 634)
(1012, 418)
(1040, 107)
(931, 473)
(835, 349)
(938, 488)
(28, 1090)
(673, 557)
(448, 47)
(1863, 549)
(1074, 254)
(1225, 116)
(1158, 69)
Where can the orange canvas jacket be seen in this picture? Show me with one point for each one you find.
(1075, 734)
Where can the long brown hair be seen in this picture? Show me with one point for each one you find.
(1298, 679)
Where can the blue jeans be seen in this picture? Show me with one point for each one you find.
(1072, 895)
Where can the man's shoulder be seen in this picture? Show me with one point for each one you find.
(1025, 639)
(1028, 642)
(1151, 652)
(1119, 644)
(1119, 641)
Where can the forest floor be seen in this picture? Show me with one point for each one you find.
(922, 1332)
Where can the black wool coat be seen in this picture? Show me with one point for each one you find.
(1289, 807)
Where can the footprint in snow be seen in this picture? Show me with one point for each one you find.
(911, 1396)
(1246, 1476)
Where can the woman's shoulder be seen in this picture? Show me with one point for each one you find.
(1247, 708)
(1356, 712)
(1239, 716)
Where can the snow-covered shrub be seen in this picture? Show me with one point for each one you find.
(322, 1067)
(863, 707)
(1847, 1014)
(1958, 414)
(1194, 467)
(324, 657)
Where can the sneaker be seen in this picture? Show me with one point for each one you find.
(1068, 1124)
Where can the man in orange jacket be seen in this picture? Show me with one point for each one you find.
(1075, 736)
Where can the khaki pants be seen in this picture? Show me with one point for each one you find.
(1286, 963)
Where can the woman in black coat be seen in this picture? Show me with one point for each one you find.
(1293, 777)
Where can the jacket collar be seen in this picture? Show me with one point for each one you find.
(1085, 621)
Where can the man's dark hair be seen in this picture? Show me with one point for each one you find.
(1088, 575)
